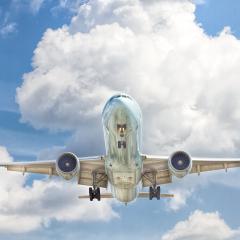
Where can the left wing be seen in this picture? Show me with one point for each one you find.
(211, 164)
(88, 167)
(157, 166)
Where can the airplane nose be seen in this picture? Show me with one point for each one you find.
(121, 108)
(117, 103)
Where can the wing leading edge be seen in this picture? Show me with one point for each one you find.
(88, 167)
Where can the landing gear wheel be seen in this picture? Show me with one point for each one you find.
(91, 195)
(98, 194)
(94, 193)
(158, 193)
(154, 192)
(151, 193)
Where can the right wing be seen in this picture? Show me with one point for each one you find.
(88, 167)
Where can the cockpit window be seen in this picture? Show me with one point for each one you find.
(120, 95)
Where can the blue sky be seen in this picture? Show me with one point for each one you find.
(25, 142)
(214, 15)
(17, 51)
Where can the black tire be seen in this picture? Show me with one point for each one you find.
(158, 192)
(91, 194)
(98, 194)
(150, 193)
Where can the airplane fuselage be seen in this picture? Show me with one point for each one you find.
(122, 125)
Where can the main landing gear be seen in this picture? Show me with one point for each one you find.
(154, 192)
(94, 193)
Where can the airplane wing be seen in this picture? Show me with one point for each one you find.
(211, 164)
(41, 167)
(157, 166)
(88, 166)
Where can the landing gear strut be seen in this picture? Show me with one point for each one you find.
(94, 193)
(154, 192)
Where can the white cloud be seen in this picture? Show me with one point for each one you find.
(185, 81)
(71, 5)
(35, 5)
(153, 50)
(8, 28)
(202, 226)
(25, 207)
(179, 201)
(186, 188)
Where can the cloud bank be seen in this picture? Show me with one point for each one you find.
(27, 207)
(185, 81)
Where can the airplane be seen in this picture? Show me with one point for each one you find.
(124, 167)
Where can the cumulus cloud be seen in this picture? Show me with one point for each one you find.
(202, 226)
(153, 50)
(187, 187)
(185, 81)
(25, 207)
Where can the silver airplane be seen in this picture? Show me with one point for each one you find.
(124, 168)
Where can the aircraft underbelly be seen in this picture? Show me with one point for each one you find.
(123, 166)
(123, 163)
(124, 184)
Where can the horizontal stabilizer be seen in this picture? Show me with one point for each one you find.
(140, 195)
(103, 195)
(146, 195)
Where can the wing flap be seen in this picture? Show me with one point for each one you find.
(155, 167)
(90, 167)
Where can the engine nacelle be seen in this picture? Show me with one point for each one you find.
(67, 165)
(180, 164)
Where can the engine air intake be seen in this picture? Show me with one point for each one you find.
(67, 165)
(180, 164)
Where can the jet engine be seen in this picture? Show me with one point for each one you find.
(180, 164)
(67, 165)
